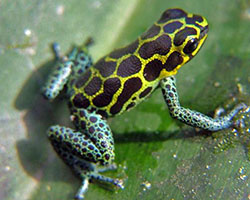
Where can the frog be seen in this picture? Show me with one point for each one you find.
(117, 83)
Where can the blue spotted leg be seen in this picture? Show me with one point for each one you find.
(194, 118)
(66, 70)
(87, 148)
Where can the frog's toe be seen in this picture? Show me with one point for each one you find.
(110, 167)
(242, 107)
(82, 190)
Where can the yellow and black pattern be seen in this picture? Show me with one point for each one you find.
(123, 78)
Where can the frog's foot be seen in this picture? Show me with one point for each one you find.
(118, 183)
(243, 113)
(104, 179)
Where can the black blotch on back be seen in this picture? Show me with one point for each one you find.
(145, 92)
(93, 86)
(129, 66)
(83, 79)
(172, 27)
(131, 105)
(153, 31)
(130, 49)
(131, 86)
(172, 14)
(152, 70)
(81, 101)
(173, 61)
(111, 85)
(160, 46)
(105, 68)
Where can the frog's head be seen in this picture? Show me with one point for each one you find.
(187, 32)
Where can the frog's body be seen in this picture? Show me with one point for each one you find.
(118, 82)
(128, 75)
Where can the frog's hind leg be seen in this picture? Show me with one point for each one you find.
(66, 70)
(84, 150)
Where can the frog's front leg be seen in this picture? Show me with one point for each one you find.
(191, 117)
(67, 69)
(91, 144)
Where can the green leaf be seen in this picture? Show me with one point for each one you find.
(158, 157)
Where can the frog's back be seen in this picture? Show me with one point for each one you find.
(112, 86)
(123, 78)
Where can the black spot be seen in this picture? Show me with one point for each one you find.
(130, 105)
(152, 70)
(103, 144)
(81, 56)
(172, 27)
(83, 79)
(170, 94)
(160, 46)
(130, 49)
(84, 143)
(91, 129)
(168, 86)
(105, 68)
(93, 86)
(107, 156)
(98, 155)
(80, 101)
(93, 119)
(172, 14)
(153, 31)
(129, 66)
(83, 125)
(111, 85)
(101, 125)
(130, 87)
(173, 61)
(106, 133)
(91, 147)
(145, 92)
(181, 36)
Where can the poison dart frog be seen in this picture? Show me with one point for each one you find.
(118, 82)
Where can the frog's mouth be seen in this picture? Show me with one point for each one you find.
(204, 32)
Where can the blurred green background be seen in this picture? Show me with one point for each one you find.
(158, 157)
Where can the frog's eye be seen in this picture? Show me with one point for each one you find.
(191, 46)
